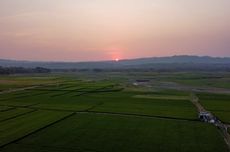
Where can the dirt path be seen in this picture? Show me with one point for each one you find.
(228, 126)
(221, 126)
(18, 89)
(195, 101)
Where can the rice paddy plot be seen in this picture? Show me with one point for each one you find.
(122, 102)
(13, 96)
(10, 114)
(19, 127)
(12, 82)
(107, 118)
(4, 108)
(103, 133)
(223, 116)
(24, 99)
(162, 97)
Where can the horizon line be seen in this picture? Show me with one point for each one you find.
(111, 60)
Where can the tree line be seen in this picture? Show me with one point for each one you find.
(21, 70)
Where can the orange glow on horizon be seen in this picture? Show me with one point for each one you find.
(98, 30)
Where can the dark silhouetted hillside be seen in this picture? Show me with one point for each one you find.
(155, 63)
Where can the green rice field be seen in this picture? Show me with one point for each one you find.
(74, 114)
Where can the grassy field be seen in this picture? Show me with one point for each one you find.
(77, 113)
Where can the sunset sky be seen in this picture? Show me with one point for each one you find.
(83, 30)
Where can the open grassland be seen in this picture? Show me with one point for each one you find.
(92, 132)
(219, 104)
(72, 114)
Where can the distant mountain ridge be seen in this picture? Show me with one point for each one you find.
(128, 63)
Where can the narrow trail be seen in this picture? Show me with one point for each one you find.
(220, 125)
(25, 88)
(18, 89)
(195, 100)
(228, 126)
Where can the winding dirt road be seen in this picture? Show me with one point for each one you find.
(221, 126)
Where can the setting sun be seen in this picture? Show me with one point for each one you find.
(114, 75)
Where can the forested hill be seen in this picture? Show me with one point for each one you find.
(21, 70)
(154, 62)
